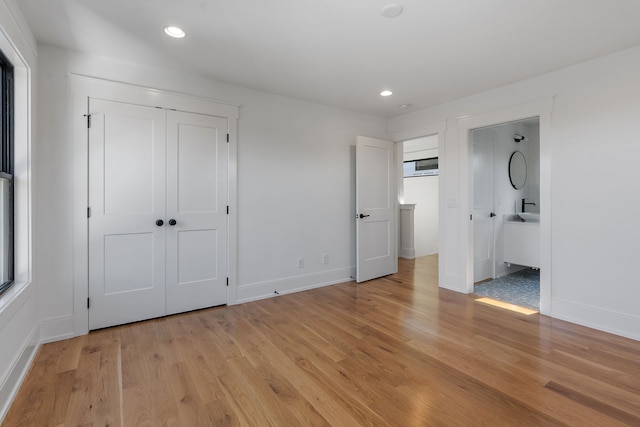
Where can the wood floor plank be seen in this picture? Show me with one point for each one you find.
(245, 407)
(613, 412)
(317, 388)
(222, 414)
(107, 391)
(273, 407)
(145, 363)
(191, 409)
(83, 406)
(396, 351)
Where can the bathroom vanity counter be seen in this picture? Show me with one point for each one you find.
(521, 241)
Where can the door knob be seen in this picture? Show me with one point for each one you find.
(363, 216)
(172, 221)
(159, 223)
(492, 214)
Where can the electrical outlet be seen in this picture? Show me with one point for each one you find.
(300, 262)
(325, 258)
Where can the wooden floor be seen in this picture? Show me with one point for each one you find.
(395, 351)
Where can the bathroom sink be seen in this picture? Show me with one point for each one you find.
(529, 216)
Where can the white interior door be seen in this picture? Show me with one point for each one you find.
(483, 208)
(197, 158)
(375, 209)
(127, 197)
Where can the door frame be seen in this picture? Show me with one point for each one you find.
(542, 109)
(85, 87)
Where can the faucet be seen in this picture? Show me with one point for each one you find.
(524, 203)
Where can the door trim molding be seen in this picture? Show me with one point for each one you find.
(149, 96)
(82, 88)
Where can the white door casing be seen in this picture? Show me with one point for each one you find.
(148, 166)
(483, 208)
(375, 209)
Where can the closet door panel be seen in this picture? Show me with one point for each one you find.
(197, 194)
(126, 198)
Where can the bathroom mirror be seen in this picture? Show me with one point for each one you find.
(517, 170)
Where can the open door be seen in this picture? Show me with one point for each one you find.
(483, 208)
(375, 209)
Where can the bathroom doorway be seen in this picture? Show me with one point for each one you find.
(498, 195)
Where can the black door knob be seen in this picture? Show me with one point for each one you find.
(172, 221)
(159, 223)
(363, 216)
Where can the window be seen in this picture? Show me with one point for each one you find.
(421, 167)
(6, 174)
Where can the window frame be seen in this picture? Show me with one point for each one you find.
(427, 166)
(7, 156)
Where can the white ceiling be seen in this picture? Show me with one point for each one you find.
(344, 52)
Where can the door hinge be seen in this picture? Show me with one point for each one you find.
(227, 209)
(88, 303)
(227, 137)
(471, 217)
(88, 116)
(227, 281)
(89, 212)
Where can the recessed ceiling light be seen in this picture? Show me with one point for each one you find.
(386, 93)
(391, 10)
(174, 32)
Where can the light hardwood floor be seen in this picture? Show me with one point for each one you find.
(395, 351)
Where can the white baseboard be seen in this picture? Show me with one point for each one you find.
(453, 283)
(9, 388)
(407, 253)
(612, 322)
(57, 329)
(268, 289)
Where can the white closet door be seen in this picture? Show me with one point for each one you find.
(127, 197)
(197, 189)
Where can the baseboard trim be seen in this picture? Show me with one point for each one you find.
(407, 253)
(9, 388)
(453, 283)
(272, 288)
(621, 324)
(57, 329)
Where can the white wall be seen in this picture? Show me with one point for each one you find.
(423, 192)
(295, 182)
(18, 305)
(593, 152)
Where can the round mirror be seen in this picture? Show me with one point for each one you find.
(517, 170)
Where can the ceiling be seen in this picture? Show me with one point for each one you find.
(345, 52)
